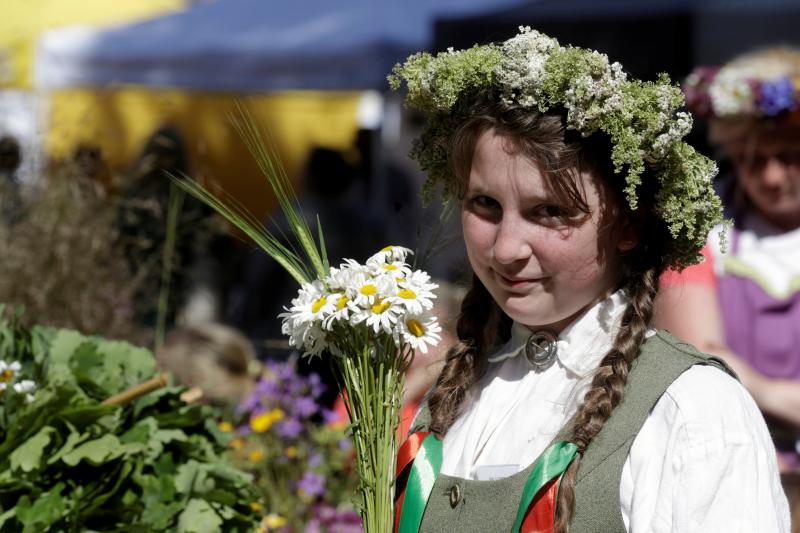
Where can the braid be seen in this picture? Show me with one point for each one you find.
(608, 385)
(466, 361)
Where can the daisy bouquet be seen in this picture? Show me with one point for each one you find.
(369, 318)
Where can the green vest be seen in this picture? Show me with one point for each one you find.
(464, 505)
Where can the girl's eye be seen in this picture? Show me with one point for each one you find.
(484, 203)
(552, 211)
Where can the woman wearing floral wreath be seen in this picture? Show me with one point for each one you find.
(743, 303)
(560, 408)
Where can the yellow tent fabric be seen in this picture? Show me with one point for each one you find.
(119, 120)
(24, 20)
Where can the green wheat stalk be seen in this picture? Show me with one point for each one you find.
(315, 265)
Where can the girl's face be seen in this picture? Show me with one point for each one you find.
(542, 261)
(769, 174)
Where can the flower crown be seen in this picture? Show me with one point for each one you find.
(712, 92)
(533, 71)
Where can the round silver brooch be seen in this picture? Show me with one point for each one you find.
(540, 349)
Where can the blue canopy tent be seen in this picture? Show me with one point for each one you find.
(252, 45)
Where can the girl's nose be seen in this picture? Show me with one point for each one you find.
(775, 173)
(511, 242)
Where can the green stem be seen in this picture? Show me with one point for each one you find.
(372, 377)
(176, 196)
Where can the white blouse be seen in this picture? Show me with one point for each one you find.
(702, 461)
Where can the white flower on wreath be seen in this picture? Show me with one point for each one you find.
(419, 331)
(522, 71)
(730, 94)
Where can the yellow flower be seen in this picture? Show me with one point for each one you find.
(255, 456)
(261, 423)
(272, 521)
(237, 444)
(256, 507)
(291, 452)
(225, 427)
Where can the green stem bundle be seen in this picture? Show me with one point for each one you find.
(373, 379)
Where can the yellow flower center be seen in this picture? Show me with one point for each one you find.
(261, 423)
(369, 289)
(6, 375)
(387, 248)
(255, 456)
(256, 507)
(390, 267)
(225, 427)
(318, 303)
(407, 294)
(380, 306)
(237, 444)
(342, 302)
(273, 521)
(415, 327)
(291, 452)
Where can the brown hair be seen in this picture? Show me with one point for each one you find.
(561, 155)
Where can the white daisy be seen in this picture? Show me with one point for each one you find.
(365, 289)
(415, 292)
(389, 254)
(381, 316)
(420, 331)
(343, 308)
(313, 303)
(9, 370)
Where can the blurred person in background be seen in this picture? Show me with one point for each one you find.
(10, 200)
(743, 302)
(215, 361)
(142, 222)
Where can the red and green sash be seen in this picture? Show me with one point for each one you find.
(418, 465)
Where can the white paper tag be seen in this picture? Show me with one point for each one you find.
(490, 472)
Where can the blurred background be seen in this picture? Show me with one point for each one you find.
(98, 100)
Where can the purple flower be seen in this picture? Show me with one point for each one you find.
(305, 406)
(290, 428)
(312, 484)
(696, 90)
(777, 96)
(317, 387)
(314, 460)
(336, 520)
(329, 416)
(345, 444)
(264, 394)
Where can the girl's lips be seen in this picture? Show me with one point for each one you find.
(518, 282)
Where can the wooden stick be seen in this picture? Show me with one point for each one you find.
(136, 391)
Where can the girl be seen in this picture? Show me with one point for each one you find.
(749, 295)
(560, 408)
